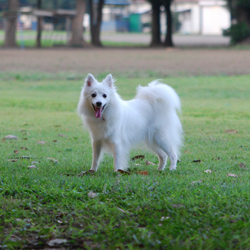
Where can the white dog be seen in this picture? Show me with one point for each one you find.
(116, 125)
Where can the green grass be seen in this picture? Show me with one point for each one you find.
(51, 201)
(50, 43)
(49, 36)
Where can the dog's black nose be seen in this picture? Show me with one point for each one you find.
(98, 104)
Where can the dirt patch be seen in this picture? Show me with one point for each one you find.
(165, 62)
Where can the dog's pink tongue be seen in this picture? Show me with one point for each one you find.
(98, 112)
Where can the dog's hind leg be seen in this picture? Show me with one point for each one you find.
(96, 147)
(169, 151)
(163, 157)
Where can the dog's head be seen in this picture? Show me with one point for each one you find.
(98, 94)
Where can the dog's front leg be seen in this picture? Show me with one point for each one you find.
(96, 147)
(119, 153)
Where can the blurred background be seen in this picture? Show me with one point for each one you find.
(78, 23)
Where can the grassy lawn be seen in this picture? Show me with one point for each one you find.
(184, 209)
(51, 38)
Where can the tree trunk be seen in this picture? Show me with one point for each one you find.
(11, 20)
(155, 26)
(243, 15)
(95, 23)
(39, 25)
(77, 25)
(168, 39)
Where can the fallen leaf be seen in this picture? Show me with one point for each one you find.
(52, 159)
(54, 141)
(123, 172)
(86, 172)
(186, 151)
(25, 157)
(123, 211)
(91, 245)
(177, 205)
(25, 139)
(91, 194)
(196, 161)
(60, 214)
(16, 151)
(194, 182)
(208, 171)
(61, 135)
(12, 160)
(149, 163)
(24, 148)
(3, 140)
(138, 157)
(242, 165)
(142, 172)
(56, 242)
(164, 218)
(41, 142)
(35, 162)
(217, 159)
(32, 166)
(232, 175)
(230, 131)
(10, 137)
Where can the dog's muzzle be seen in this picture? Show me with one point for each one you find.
(98, 109)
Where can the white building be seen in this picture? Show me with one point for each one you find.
(205, 17)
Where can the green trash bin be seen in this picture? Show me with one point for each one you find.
(135, 24)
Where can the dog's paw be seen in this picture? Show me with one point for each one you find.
(160, 169)
(172, 168)
(122, 171)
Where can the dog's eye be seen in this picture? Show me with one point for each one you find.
(104, 95)
(93, 95)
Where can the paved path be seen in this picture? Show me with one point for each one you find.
(179, 40)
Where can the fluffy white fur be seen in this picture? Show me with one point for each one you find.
(116, 125)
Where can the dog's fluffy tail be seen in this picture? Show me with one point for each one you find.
(165, 103)
(156, 91)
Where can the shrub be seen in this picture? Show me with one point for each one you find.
(238, 32)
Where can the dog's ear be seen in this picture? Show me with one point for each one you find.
(89, 80)
(109, 80)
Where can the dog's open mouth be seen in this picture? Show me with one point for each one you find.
(98, 110)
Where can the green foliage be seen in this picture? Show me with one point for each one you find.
(163, 210)
(243, 3)
(238, 32)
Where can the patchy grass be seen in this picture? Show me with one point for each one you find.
(160, 210)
